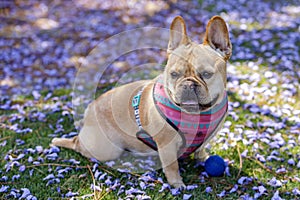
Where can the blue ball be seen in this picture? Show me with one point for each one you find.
(215, 166)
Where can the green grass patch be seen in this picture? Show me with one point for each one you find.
(79, 178)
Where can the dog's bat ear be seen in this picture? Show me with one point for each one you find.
(178, 34)
(217, 36)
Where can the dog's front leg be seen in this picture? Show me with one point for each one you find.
(168, 158)
(201, 154)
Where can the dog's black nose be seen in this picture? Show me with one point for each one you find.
(189, 85)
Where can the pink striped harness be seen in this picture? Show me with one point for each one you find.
(193, 128)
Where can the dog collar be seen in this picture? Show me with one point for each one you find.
(193, 128)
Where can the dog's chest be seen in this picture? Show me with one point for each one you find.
(194, 128)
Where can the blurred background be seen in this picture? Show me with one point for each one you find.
(43, 43)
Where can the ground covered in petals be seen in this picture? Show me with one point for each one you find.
(44, 43)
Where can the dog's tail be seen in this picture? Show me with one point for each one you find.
(70, 143)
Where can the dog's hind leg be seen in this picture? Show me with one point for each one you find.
(70, 143)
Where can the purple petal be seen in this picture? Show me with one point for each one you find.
(142, 185)
(4, 178)
(60, 176)
(20, 142)
(257, 195)
(234, 188)
(30, 159)
(108, 182)
(14, 193)
(36, 163)
(146, 178)
(270, 158)
(296, 191)
(39, 149)
(115, 185)
(40, 159)
(22, 168)
(52, 156)
(222, 194)
(50, 176)
(64, 170)
(102, 176)
(227, 171)
(261, 158)
(187, 196)
(261, 189)
(26, 192)
(31, 197)
(4, 188)
(275, 183)
(134, 191)
(73, 161)
(244, 154)
(276, 196)
(97, 174)
(96, 187)
(20, 156)
(54, 149)
(254, 109)
(164, 187)
(191, 187)
(208, 190)
(2, 144)
(36, 95)
(15, 177)
(95, 166)
(30, 150)
(71, 194)
(15, 163)
(143, 197)
(31, 172)
(281, 170)
(244, 180)
(121, 190)
(175, 191)
(123, 170)
(129, 183)
(110, 163)
(291, 161)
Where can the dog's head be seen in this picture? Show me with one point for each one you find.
(195, 74)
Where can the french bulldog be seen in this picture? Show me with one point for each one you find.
(172, 116)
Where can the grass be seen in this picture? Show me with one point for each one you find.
(79, 177)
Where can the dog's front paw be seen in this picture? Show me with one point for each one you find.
(179, 185)
(201, 155)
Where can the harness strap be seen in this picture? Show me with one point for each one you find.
(142, 135)
(135, 104)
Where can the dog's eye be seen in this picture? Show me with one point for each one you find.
(206, 75)
(174, 74)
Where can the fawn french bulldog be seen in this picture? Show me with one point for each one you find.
(172, 116)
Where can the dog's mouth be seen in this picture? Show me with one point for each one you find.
(192, 105)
